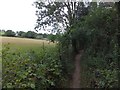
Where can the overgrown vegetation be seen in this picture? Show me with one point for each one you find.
(94, 30)
(31, 69)
(96, 34)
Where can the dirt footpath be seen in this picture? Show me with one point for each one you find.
(76, 74)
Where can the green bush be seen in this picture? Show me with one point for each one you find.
(31, 69)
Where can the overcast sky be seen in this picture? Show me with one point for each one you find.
(17, 15)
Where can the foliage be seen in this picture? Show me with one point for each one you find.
(51, 13)
(10, 33)
(31, 69)
(30, 34)
(51, 37)
(21, 34)
(94, 31)
(100, 56)
(2, 32)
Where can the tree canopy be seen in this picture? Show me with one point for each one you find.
(10, 33)
(51, 13)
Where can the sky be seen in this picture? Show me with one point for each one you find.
(17, 15)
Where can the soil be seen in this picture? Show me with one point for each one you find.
(76, 75)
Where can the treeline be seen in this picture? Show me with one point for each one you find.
(28, 34)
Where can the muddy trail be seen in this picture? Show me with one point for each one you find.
(76, 74)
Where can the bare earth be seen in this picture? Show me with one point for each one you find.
(76, 74)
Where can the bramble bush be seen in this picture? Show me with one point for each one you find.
(31, 69)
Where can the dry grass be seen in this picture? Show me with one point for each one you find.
(21, 41)
(24, 43)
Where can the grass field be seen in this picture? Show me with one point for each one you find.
(24, 43)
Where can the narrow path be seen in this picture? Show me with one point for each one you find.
(76, 74)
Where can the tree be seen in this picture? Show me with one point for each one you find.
(117, 4)
(67, 13)
(55, 13)
(52, 37)
(44, 35)
(2, 32)
(21, 34)
(39, 36)
(30, 34)
(10, 33)
(98, 33)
